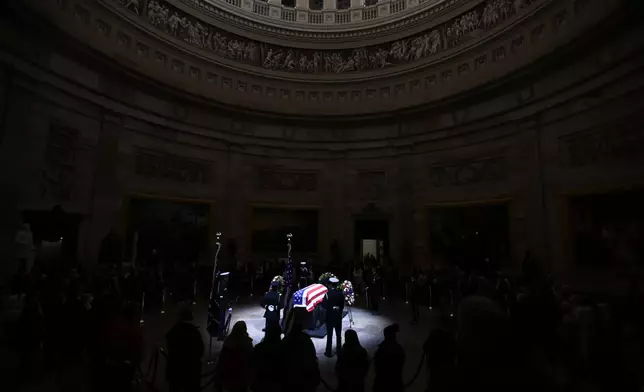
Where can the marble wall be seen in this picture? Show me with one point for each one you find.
(92, 143)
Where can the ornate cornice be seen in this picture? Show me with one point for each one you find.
(469, 26)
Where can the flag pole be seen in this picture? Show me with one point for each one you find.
(288, 282)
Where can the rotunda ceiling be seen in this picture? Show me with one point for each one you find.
(475, 44)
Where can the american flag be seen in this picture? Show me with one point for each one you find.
(310, 296)
(288, 273)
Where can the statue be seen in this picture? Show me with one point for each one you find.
(25, 248)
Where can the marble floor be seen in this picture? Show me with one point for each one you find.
(369, 327)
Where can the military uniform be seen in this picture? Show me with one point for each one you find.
(334, 305)
(271, 304)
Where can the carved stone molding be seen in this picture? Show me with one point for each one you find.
(621, 141)
(165, 17)
(169, 167)
(468, 173)
(282, 180)
(372, 185)
(57, 180)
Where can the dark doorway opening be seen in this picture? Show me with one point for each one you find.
(471, 237)
(167, 231)
(608, 229)
(371, 237)
(55, 235)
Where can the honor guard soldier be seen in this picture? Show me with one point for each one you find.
(271, 303)
(334, 305)
(303, 275)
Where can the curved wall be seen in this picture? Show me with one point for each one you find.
(81, 131)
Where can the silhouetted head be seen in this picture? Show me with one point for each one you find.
(185, 314)
(391, 331)
(239, 329)
(351, 338)
(273, 333)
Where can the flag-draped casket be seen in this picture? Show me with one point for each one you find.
(304, 306)
(309, 297)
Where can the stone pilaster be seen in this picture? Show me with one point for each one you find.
(107, 197)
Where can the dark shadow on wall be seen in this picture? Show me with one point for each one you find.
(608, 229)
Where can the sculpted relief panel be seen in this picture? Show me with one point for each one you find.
(281, 180)
(616, 142)
(159, 165)
(173, 21)
(468, 173)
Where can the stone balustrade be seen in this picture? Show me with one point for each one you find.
(325, 12)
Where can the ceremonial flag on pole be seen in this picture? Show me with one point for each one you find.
(310, 296)
(288, 273)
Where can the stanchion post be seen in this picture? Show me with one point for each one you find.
(451, 303)
(163, 300)
(406, 292)
(252, 284)
(194, 290)
(431, 296)
(142, 307)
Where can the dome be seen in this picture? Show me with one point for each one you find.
(377, 110)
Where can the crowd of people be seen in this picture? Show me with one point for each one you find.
(487, 330)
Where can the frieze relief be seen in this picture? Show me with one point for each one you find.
(616, 142)
(169, 167)
(282, 180)
(472, 24)
(467, 173)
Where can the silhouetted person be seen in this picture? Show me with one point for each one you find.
(374, 286)
(111, 250)
(185, 349)
(488, 354)
(440, 354)
(233, 368)
(415, 290)
(271, 304)
(123, 350)
(334, 305)
(388, 363)
(301, 362)
(267, 361)
(352, 365)
(76, 316)
(30, 335)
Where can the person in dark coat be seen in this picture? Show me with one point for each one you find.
(300, 359)
(440, 354)
(352, 365)
(185, 349)
(267, 361)
(389, 362)
(271, 304)
(232, 371)
(334, 305)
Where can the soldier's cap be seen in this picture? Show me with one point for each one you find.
(224, 274)
(334, 280)
(303, 263)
